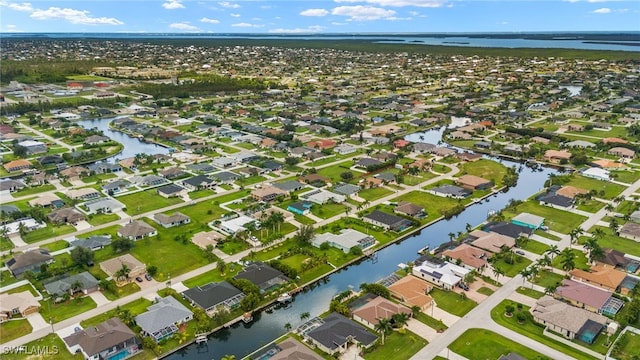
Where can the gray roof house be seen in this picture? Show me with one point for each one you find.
(116, 186)
(29, 261)
(104, 205)
(85, 280)
(163, 318)
(289, 185)
(337, 332)
(387, 221)
(104, 340)
(567, 320)
(211, 296)
(263, 276)
(171, 190)
(225, 177)
(95, 242)
(453, 191)
(199, 182)
(137, 230)
(168, 221)
(346, 189)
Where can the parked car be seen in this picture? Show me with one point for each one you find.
(520, 252)
(463, 286)
(139, 279)
(148, 277)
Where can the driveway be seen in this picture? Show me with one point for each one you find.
(421, 329)
(99, 298)
(37, 321)
(82, 225)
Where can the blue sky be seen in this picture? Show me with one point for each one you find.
(308, 16)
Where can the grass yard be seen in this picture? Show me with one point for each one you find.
(399, 345)
(529, 292)
(136, 307)
(512, 270)
(65, 310)
(381, 235)
(611, 190)
(212, 276)
(432, 204)
(556, 220)
(200, 193)
(232, 247)
(99, 219)
(251, 180)
(484, 168)
(547, 279)
(33, 190)
(485, 291)
(431, 322)
(303, 219)
(14, 329)
(145, 201)
(591, 206)
(374, 194)
(580, 261)
(6, 244)
(612, 241)
(333, 172)
(627, 346)
(55, 246)
(535, 247)
(452, 302)
(47, 232)
(98, 177)
(57, 350)
(547, 235)
(628, 177)
(531, 329)
(121, 291)
(481, 344)
(6, 278)
(328, 210)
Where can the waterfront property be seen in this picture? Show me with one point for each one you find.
(291, 349)
(263, 276)
(470, 257)
(452, 191)
(528, 220)
(569, 321)
(162, 319)
(337, 332)
(213, 297)
(378, 308)
(439, 272)
(387, 221)
(412, 291)
(110, 340)
(345, 240)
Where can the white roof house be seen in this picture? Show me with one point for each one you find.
(345, 240)
(320, 196)
(597, 173)
(235, 225)
(441, 273)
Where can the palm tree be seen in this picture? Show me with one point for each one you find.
(526, 274)
(304, 315)
(383, 327)
(76, 286)
(415, 310)
(550, 289)
(123, 273)
(452, 236)
(575, 234)
(553, 250)
(287, 326)
(497, 272)
(567, 260)
(613, 225)
(400, 319)
(598, 233)
(609, 207)
(544, 261)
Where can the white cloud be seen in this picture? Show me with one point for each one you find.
(73, 16)
(210, 21)
(246, 25)
(12, 28)
(310, 29)
(400, 3)
(228, 5)
(172, 5)
(602, 11)
(363, 13)
(184, 26)
(235, 15)
(19, 7)
(315, 12)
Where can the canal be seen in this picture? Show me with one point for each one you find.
(243, 339)
(131, 145)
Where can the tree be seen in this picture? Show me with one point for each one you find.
(122, 244)
(287, 326)
(400, 319)
(525, 273)
(383, 327)
(305, 234)
(574, 235)
(81, 255)
(304, 315)
(221, 266)
(346, 176)
(613, 225)
(152, 270)
(123, 273)
(567, 259)
(497, 272)
(553, 250)
(415, 310)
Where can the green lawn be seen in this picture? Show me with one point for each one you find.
(328, 210)
(531, 329)
(99, 219)
(612, 241)
(431, 322)
(546, 235)
(145, 201)
(6, 278)
(591, 206)
(14, 329)
(98, 177)
(485, 291)
(627, 347)
(136, 307)
(232, 247)
(399, 345)
(55, 246)
(47, 233)
(212, 276)
(432, 204)
(452, 302)
(530, 292)
(628, 177)
(556, 220)
(121, 291)
(611, 190)
(512, 270)
(33, 190)
(201, 193)
(56, 350)
(481, 344)
(535, 247)
(580, 261)
(6, 244)
(65, 310)
(484, 168)
(374, 193)
(547, 278)
(251, 180)
(333, 172)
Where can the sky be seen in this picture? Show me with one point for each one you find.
(310, 16)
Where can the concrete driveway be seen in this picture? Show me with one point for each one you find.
(37, 321)
(99, 298)
(82, 225)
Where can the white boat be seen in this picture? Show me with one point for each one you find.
(284, 297)
(200, 338)
(423, 250)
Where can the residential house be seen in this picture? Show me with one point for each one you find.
(622, 152)
(409, 209)
(451, 191)
(171, 190)
(263, 276)
(47, 200)
(83, 282)
(271, 165)
(116, 187)
(110, 340)
(583, 296)
(11, 185)
(366, 162)
(236, 224)
(630, 230)
(345, 240)
(337, 332)
(65, 216)
(467, 256)
(300, 207)
(33, 147)
(103, 205)
(387, 221)
(267, 193)
(28, 224)
(412, 291)
(289, 186)
(83, 194)
(103, 168)
(314, 179)
(168, 221)
(162, 319)
(569, 321)
(112, 266)
(601, 276)
(148, 180)
(321, 197)
(322, 144)
(136, 230)
(199, 182)
(214, 296)
(20, 303)
(292, 349)
(508, 229)
(473, 182)
(344, 149)
(96, 139)
(205, 238)
(378, 308)
(93, 243)
(17, 165)
(346, 189)
(596, 173)
(439, 272)
(423, 148)
(201, 168)
(28, 261)
(173, 173)
(223, 162)
(225, 177)
(528, 220)
(557, 156)
(615, 259)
